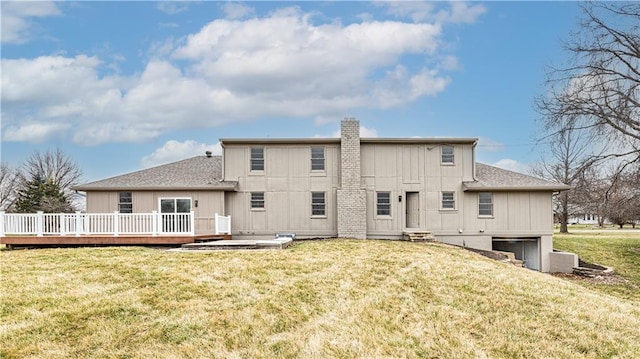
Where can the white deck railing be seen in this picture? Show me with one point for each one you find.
(223, 224)
(114, 224)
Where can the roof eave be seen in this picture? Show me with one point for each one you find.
(481, 188)
(158, 188)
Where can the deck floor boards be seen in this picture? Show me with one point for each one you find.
(110, 240)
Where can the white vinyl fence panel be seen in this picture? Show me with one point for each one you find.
(63, 224)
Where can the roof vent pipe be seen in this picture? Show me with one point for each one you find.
(208, 153)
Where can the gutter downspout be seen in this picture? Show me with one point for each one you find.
(473, 161)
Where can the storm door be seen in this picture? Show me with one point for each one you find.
(413, 210)
(175, 215)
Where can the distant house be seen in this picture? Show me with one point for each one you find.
(348, 187)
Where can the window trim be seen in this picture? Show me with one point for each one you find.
(380, 205)
(453, 201)
(256, 159)
(256, 201)
(121, 202)
(452, 155)
(315, 204)
(490, 203)
(175, 203)
(323, 158)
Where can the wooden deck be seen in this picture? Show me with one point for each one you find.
(108, 240)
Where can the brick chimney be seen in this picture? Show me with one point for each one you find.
(352, 205)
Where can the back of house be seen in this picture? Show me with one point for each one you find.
(348, 187)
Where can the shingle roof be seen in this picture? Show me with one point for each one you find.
(490, 178)
(199, 172)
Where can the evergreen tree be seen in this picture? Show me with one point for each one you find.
(42, 195)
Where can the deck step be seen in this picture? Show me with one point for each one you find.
(418, 236)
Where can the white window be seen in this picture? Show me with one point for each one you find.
(318, 204)
(383, 203)
(257, 200)
(448, 200)
(257, 159)
(125, 202)
(447, 156)
(485, 204)
(317, 158)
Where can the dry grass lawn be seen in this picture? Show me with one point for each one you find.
(612, 248)
(317, 299)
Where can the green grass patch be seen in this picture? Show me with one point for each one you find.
(317, 299)
(620, 250)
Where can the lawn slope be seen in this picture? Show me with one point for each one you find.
(317, 299)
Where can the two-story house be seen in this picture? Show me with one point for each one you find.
(348, 187)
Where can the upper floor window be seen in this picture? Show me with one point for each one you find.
(317, 158)
(257, 200)
(447, 156)
(448, 200)
(125, 202)
(383, 203)
(318, 204)
(257, 159)
(485, 204)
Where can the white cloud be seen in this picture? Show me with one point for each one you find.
(364, 132)
(512, 165)
(172, 7)
(281, 65)
(33, 132)
(16, 18)
(418, 11)
(173, 151)
(234, 10)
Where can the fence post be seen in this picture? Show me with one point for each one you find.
(229, 225)
(192, 223)
(39, 223)
(78, 224)
(63, 231)
(154, 223)
(116, 222)
(215, 222)
(1, 223)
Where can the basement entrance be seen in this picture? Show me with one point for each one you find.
(525, 249)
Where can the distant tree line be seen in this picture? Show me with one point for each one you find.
(590, 113)
(42, 183)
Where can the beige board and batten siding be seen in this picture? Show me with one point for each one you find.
(287, 182)
(410, 166)
(519, 213)
(209, 203)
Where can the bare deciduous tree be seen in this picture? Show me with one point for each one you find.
(567, 159)
(55, 165)
(600, 90)
(7, 187)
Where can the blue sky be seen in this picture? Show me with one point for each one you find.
(121, 86)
